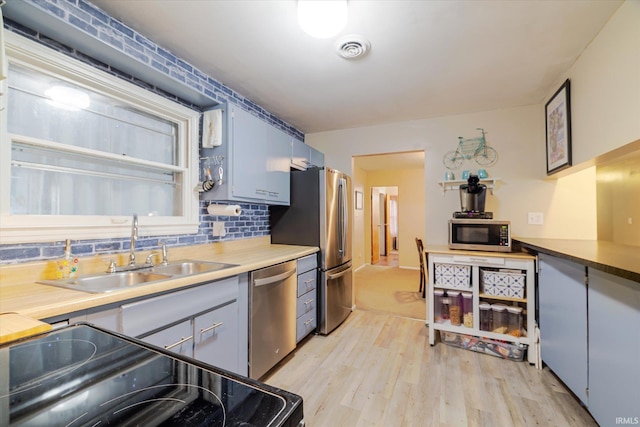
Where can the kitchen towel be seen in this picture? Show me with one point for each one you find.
(224, 210)
(211, 128)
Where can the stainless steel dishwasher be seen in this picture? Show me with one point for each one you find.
(272, 311)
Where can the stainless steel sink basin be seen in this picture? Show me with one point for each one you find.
(189, 267)
(108, 282)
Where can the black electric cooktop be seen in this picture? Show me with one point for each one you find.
(85, 376)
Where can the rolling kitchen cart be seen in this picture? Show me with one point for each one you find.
(498, 279)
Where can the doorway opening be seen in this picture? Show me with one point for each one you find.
(384, 226)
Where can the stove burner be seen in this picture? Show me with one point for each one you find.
(183, 399)
(39, 362)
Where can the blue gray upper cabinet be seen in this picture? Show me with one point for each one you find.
(304, 156)
(256, 160)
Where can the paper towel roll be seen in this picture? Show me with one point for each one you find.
(224, 210)
(211, 128)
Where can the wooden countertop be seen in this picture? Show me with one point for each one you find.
(19, 292)
(14, 326)
(442, 249)
(619, 260)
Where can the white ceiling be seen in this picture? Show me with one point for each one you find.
(427, 58)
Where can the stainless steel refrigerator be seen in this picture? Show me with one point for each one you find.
(321, 214)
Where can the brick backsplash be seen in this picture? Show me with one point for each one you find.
(82, 15)
(254, 221)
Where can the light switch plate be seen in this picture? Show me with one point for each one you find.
(535, 218)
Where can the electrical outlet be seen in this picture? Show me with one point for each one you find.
(535, 218)
(218, 229)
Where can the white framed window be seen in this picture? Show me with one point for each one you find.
(81, 151)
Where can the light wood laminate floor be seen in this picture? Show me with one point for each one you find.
(379, 370)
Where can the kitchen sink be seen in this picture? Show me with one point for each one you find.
(188, 267)
(108, 282)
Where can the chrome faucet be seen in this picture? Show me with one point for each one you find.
(165, 259)
(134, 238)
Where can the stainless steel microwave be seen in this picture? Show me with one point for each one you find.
(480, 235)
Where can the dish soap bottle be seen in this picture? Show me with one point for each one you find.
(67, 267)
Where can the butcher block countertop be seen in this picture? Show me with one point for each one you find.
(613, 258)
(441, 249)
(15, 326)
(20, 294)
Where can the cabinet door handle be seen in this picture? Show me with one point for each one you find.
(307, 302)
(308, 322)
(215, 325)
(182, 341)
(309, 281)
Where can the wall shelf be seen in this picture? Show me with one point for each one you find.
(456, 183)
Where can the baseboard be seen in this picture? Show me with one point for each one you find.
(361, 267)
(400, 266)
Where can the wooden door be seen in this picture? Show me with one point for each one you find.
(387, 225)
(375, 226)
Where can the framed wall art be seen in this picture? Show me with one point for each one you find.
(558, 127)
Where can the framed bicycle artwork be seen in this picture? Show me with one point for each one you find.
(558, 129)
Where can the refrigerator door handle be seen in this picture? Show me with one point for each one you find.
(342, 209)
(337, 275)
(345, 213)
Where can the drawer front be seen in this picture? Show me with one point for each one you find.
(307, 263)
(108, 319)
(216, 337)
(305, 325)
(178, 338)
(144, 316)
(307, 282)
(306, 303)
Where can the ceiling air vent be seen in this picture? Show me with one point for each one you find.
(353, 46)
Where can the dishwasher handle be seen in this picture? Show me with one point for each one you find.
(273, 279)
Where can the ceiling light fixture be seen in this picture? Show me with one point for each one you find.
(67, 98)
(322, 18)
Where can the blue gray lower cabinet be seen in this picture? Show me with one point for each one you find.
(306, 310)
(589, 336)
(203, 322)
(614, 349)
(177, 338)
(562, 298)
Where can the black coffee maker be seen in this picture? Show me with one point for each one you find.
(472, 199)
